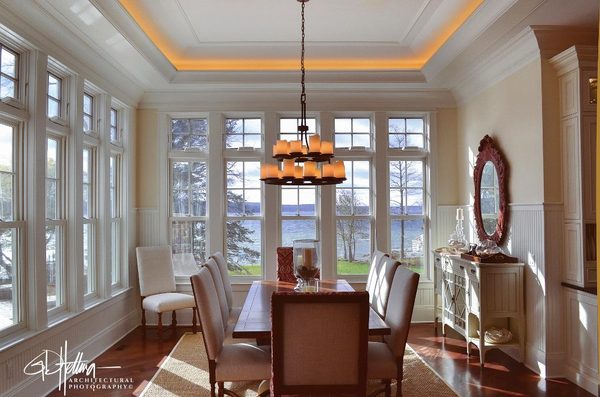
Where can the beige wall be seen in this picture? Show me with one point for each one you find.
(146, 167)
(446, 187)
(551, 138)
(510, 112)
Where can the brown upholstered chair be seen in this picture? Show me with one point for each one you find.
(157, 285)
(319, 343)
(226, 363)
(386, 358)
(379, 288)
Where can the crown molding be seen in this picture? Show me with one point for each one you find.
(278, 97)
(576, 57)
(36, 28)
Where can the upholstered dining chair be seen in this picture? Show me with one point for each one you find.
(386, 358)
(223, 268)
(376, 258)
(157, 285)
(379, 288)
(226, 363)
(319, 343)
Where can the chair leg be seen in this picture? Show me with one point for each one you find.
(194, 320)
(388, 388)
(221, 389)
(399, 381)
(143, 315)
(212, 389)
(159, 323)
(174, 319)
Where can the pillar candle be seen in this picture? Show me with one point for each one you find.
(295, 147)
(339, 170)
(281, 147)
(327, 170)
(263, 170)
(326, 147)
(288, 168)
(310, 169)
(298, 172)
(314, 143)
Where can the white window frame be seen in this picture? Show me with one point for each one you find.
(15, 79)
(60, 222)
(184, 156)
(92, 220)
(354, 148)
(18, 223)
(414, 154)
(244, 133)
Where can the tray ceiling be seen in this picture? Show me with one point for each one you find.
(221, 35)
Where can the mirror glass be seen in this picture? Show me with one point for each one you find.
(490, 198)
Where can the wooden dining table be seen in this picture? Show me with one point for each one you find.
(255, 318)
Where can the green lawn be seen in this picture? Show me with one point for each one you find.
(345, 268)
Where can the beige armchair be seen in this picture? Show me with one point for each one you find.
(226, 363)
(157, 285)
(386, 358)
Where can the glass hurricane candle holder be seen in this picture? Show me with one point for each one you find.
(307, 262)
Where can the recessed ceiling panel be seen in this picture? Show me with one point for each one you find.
(265, 34)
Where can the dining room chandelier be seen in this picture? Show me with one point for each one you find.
(308, 160)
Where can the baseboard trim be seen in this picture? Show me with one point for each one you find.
(581, 379)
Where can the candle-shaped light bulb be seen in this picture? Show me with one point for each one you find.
(314, 143)
(326, 147)
(328, 170)
(298, 172)
(339, 170)
(310, 169)
(288, 168)
(295, 147)
(282, 147)
(274, 171)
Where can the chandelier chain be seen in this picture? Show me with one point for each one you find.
(303, 122)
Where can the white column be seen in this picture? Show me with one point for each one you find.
(327, 214)
(271, 210)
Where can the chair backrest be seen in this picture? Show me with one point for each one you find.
(184, 264)
(155, 270)
(319, 343)
(376, 259)
(400, 308)
(285, 264)
(382, 285)
(205, 295)
(220, 259)
(212, 266)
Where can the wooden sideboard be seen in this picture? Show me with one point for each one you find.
(471, 297)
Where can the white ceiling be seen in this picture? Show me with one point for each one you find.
(192, 30)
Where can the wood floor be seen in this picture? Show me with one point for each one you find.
(140, 353)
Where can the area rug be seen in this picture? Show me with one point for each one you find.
(185, 373)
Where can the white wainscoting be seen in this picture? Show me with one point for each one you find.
(148, 227)
(90, 332)
(582, 336)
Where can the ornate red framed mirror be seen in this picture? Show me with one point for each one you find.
(491, 196)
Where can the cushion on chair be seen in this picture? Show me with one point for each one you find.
(241, 361)
(383, 284)
(212, 266)
(155, 270)
(220, 259)
(381, 362)
(285, 264)
(205, 294)
(167, 302)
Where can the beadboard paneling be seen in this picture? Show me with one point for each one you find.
(148, 227)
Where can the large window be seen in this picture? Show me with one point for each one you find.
(408, 211)
(243, 234)
(353, 219)
(9, 69)
(243, 133)
(55, 222)
(406, 133)
(54, 95)
(11, 227)
(189, 180)
(352, 132)
(89, 219)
